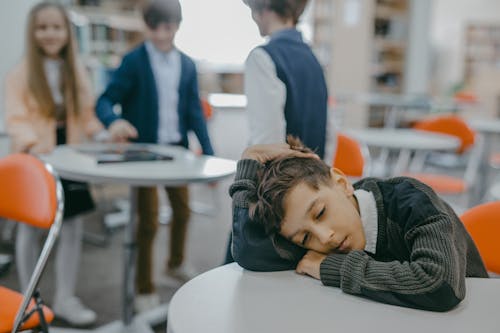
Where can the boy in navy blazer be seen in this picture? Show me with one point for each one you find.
(157, 89)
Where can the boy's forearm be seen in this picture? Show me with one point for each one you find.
(432, 279)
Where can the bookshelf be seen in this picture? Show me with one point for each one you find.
(105, 31)
(482, 49)
(363, 46)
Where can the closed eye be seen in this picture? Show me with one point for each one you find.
(304, 240)
(321, 212)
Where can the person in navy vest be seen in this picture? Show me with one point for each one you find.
(157, 89)
(284, 82)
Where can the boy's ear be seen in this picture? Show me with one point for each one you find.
(339, 178)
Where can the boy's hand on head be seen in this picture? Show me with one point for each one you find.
(121, 131)
(310, 263)
(268, 152)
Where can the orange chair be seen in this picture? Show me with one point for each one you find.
(483, 224)
(206, 108)
(30, 193)
(471, 146)
(351, 157)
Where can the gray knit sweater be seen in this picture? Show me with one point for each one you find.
(422, 257)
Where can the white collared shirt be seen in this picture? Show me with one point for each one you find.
(52, 68)
(369, 218)
(167, 73)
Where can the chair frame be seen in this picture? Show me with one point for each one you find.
(31, 290)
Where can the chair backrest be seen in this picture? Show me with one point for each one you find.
(206, 108)
(30, 192)
(451, 125)
(350, 156)
(483, 224)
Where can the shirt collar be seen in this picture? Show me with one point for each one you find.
(369, 218)
(154, 52)
(289, 33)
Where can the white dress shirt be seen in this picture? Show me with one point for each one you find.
(369, 218)
(167, 72)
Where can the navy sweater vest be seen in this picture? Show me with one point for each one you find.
(306, 91)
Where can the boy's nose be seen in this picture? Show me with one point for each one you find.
(324, 234)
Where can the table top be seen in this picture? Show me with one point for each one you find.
(401, 101)
(186, 167)
(231, 299)
(403, 138)
(485, 125)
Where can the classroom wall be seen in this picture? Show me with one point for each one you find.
(448, 26)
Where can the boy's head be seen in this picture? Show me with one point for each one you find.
(264, 12)
(162, 18)
(310, 204)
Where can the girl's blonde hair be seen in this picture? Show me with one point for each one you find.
(37, 80)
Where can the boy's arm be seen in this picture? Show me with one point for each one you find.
(433, 278)
(118, 88)
(197, 119)
(251, 248)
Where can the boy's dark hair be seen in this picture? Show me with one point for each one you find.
(284, 8)
(162, 11)
(276, 180)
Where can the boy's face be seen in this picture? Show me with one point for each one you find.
(324, 220)
(163, 35)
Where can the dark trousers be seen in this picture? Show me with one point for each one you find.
(147, 208)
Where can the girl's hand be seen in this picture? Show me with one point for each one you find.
(267, 152)
(310, 264)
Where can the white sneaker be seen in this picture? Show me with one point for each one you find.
(183, 273)
(145, 302)
(74, 312)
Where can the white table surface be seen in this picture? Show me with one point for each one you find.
(230, 299)
(186, 167)
(488, 126)
(402, 138)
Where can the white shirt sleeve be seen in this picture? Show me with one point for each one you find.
(266, 97)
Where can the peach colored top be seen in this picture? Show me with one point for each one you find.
(29, 130)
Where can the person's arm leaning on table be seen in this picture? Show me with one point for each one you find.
(422, 256)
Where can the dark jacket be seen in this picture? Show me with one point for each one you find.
(133, 87)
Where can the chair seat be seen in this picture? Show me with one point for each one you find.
(11, 302)
(442, 184)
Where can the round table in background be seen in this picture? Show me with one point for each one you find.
(77, 162)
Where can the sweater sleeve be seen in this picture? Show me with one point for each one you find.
(119, 87)
(433, 278)
(251, 248)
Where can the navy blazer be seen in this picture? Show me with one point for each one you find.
(133, 87)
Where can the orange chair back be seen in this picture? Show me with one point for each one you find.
(451, 125)
(349, 156)
(11, 301)
(483, 224)
(206, 108)
(26, 194)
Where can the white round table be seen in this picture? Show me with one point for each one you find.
(186, 167)
(491, 129)
(405, 141)
(230, 299)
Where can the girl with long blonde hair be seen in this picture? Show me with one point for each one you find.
(49, 102)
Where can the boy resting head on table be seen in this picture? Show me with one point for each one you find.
(394, 241)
